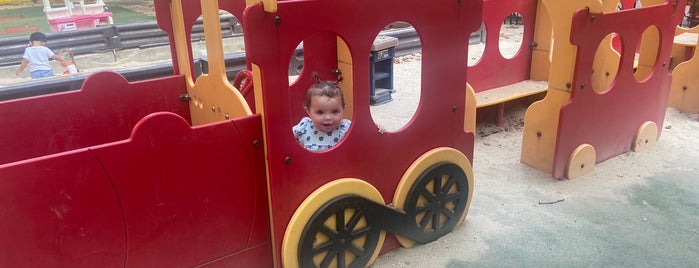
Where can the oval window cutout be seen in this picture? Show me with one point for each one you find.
(511, 35)
(605, 65)
(647, 54)
(394, 80)
(476, 45)
(321, 119)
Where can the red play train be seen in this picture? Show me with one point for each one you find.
(183, 171)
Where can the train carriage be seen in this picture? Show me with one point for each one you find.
(145, 174)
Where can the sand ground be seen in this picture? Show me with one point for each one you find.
(635, 210)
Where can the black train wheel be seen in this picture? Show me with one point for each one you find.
(315, 208)
(340, 235)
(436, 192)
(438, 199)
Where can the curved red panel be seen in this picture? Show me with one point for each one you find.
(60, 211)
(189, 195)
(104, 110)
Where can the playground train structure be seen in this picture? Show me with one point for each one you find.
(191, 171)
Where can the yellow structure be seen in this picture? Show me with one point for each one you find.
(556, 55)
(684, 91)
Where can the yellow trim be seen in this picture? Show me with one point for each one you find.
(259, 106)
(270, 6)
(425, 161)
(313, 203)
(181, 44)
(344, 63)
(470, 113)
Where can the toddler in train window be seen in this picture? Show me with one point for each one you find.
(324, 126)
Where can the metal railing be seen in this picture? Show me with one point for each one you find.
(408, 42)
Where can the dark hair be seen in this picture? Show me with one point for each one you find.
(329, 89)
(37, 36)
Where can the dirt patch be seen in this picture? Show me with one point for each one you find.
(19, 29)
(10, 18)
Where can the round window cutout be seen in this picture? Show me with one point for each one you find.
(476, 45)
(605, 65)
(394, 80)
(511, 35)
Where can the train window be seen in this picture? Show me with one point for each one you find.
(606, 62)
(296, 63)
(316, 65)
(511, 35)
(476, 45)
(647, 53)
(406, 86)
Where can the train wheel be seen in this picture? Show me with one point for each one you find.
(331, 228)
(581, 161)
(646, 136)
(436, 191)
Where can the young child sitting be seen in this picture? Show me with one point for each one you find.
(324, 126)
(68, 63)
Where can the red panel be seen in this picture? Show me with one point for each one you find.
(60, 211)
(493, 70)
(189, 195)
(257, 256)
(364, 153)
(609, 121)
(105, 110)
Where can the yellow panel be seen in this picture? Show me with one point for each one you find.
(541, 118)
(540, 130)
(213, 97)
(344, 63)
(270, 6)
(684, 89)
(679, 50)
(650, 43)
(541, 56)
(181, 43)
(470, 116)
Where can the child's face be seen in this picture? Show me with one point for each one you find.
(326, 113)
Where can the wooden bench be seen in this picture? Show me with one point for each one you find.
(500, 95)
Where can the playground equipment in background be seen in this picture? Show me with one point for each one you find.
(193, 171)
(684, 91)
(599, 103)
(78, 15)
(178, 171)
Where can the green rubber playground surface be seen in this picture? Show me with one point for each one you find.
(22, 21)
